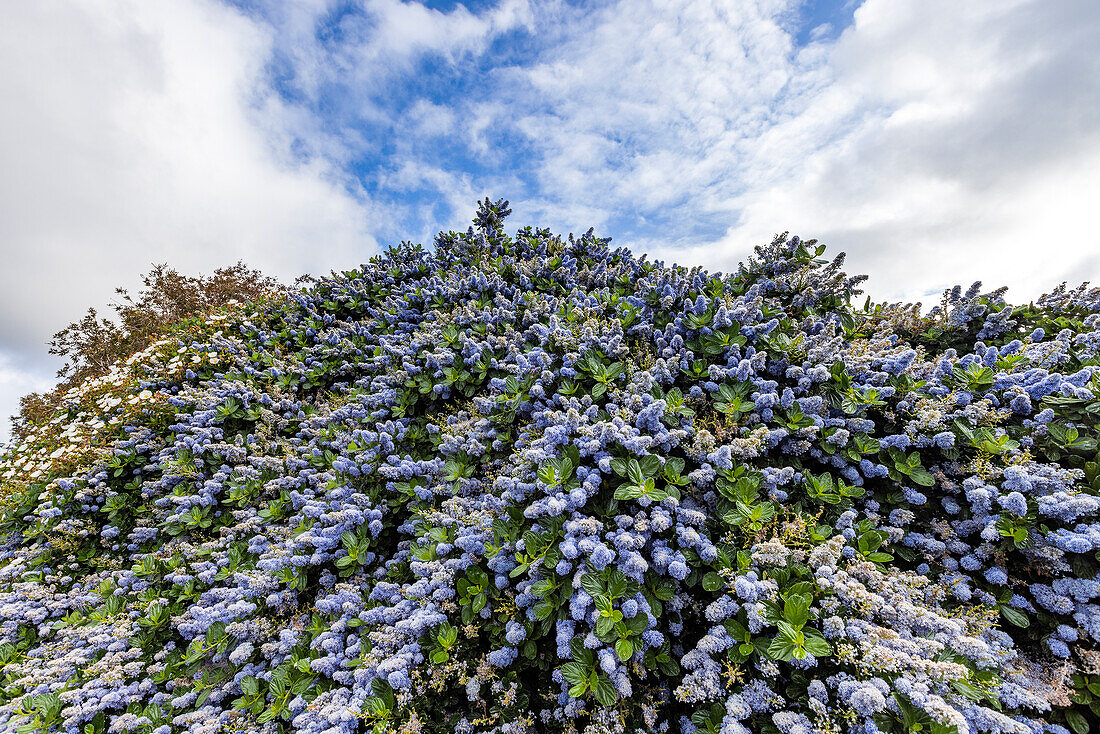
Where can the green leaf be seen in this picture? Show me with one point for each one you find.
(965, 689)
(796, 609)
(1077, 722)
(479, 602)
(712, 581)
(250, 685)
(921, 476)
(650, 465)
(605, 691)
(542, 588)
(617, 584)
(870, 541)
(1014, 616)
(532, 543)
(591, 583)
(277, 686)
(816, 644)
(624, 649)
(781, 649)
(574, 673)
(786, 630)
(447, 635)
(375, 706)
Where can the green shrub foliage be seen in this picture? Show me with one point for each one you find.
(93, 344)
(536, 484)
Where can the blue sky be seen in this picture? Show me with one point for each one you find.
(403, 125)
(936, 142)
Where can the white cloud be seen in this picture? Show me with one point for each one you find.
(136, 132)
(975, 156)
(401, 30)
(360, 77)
(935, 141)
(645, 106)
(430, 119)
(17, 380)
(383, 40)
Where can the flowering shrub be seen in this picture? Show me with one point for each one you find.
(168, 300)
(537, 484)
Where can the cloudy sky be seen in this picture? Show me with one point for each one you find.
(935, 141)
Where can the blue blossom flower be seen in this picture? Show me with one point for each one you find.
(449, 462)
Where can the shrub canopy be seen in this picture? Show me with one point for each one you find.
(530, 483)
(91, 346)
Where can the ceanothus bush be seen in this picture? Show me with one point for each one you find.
(536, 484)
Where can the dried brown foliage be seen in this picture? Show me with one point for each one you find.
(92, 344)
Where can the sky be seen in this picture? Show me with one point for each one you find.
(934, 141)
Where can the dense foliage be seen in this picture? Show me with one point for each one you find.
(93, 344)
(537, 484)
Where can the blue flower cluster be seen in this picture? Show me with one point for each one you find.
(532, 483)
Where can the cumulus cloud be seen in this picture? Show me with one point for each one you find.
(975, 156)
(647, 107)
(137, 132)
(396, 32)
(934, 141)
(16, 380)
